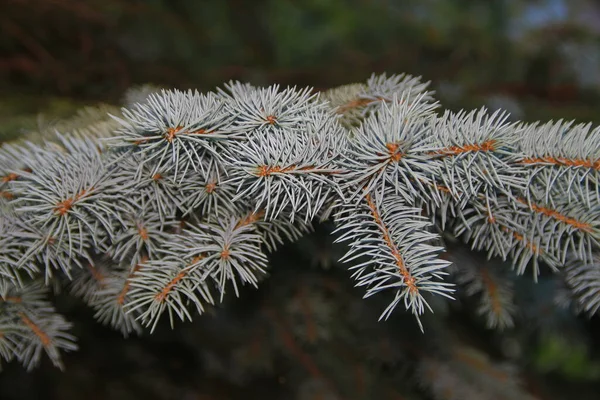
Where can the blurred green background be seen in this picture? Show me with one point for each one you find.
(538, 59)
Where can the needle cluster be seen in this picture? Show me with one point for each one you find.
(177, 200)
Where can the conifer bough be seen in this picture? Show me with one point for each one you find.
(164, 207)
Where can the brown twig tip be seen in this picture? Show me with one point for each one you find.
(10, 177)
(536, 250)
(12, 299)
(43, 336)
(394, 151)
(488, 145)
(225, 254)
(157, 177)
(127, 285)
(140, 141)
(357, 103)
(563, 162)
(250, 219)
(182, 224)
(267, 170)
(532, 246)
(197, 259)
(6, 195)
(96, 274)
(271, 119)
(171, 133)
(63, 207)
(583, 226)
(210, 187)
(83, 193)
(492, 220)
(162, 295)
(492, 289)
(442, 188)
(409, 280)
(123, 293)
(143, 232)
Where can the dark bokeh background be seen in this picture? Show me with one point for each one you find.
(539, 59)
(540, 55)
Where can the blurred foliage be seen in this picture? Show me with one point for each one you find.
(569, 359)
(540, 58)
(20, 114)
(538, 49)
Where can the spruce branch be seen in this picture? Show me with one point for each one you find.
(476, 152)
(173, 127)
(584, 283)
(230, 251)
(176, 201)
(493, 287)
(113, 297)
(569, 152)
(391, 150)
(356, 102)
(30, 326)
(390, 241)
(167, 285)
